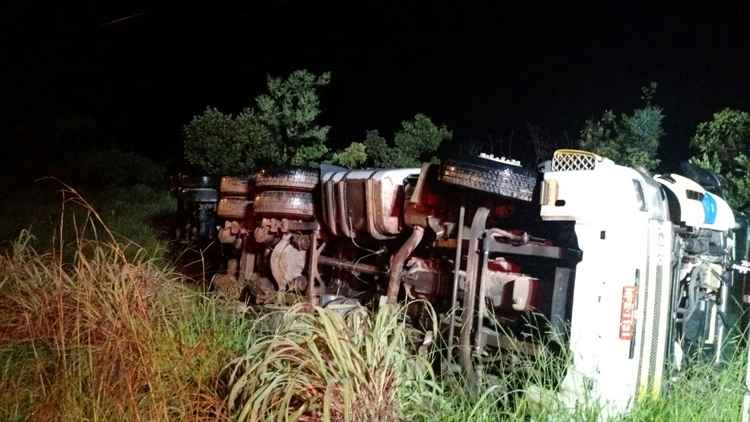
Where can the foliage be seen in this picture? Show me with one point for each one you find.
(417, 141)
(279, 129)
(648, 92)
(353, 156)
(215, 143)
(289, 111)
(379, 154)
(722, 145)
(627, 139)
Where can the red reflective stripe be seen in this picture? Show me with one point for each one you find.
(627, 312)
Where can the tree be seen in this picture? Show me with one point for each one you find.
(628, 139)
(289, 111)
(214, 143)
(279, 129)
(353, 156)
(379, 154)
(417, 141)
(722, 145)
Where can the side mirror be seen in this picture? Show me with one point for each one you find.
(708, 179)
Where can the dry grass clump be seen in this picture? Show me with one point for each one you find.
(320, 364)
(88, 332)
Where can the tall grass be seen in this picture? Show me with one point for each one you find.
(106, 335)
(309, 363)
(313, 363)
(703, 392)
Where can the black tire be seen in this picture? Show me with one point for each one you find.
(300, 179)
(490, 176)
(236, 186)
(284, 204)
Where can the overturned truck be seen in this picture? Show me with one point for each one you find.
(629, 272)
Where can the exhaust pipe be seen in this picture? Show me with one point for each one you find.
(397, 263)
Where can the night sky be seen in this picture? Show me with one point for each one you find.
(138, 72)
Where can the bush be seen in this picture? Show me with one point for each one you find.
(353, 156)
(416, 142)
(722, 145)
(278, 129)
(627, 139)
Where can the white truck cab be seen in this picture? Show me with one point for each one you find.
(653, 278)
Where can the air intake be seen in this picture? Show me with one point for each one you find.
(574, 160)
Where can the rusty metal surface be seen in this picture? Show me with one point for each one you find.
(330, 195)
(385, 200)
(287, 263)
(467, 317)
(341, 210)
(365, 203)
(432, 203)
(268, 228)
(423, 278)
(357, 207)
(483, 282)
(312, 292)
(351, 204)
(231, 232)
(351, 266)
(456, 274)
(397, 263)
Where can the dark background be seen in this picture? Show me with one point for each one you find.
(131, 73)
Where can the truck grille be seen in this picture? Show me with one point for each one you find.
(574, 160)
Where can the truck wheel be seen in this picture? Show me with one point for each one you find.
(284, 204)
(300, 179)
(490, 176)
